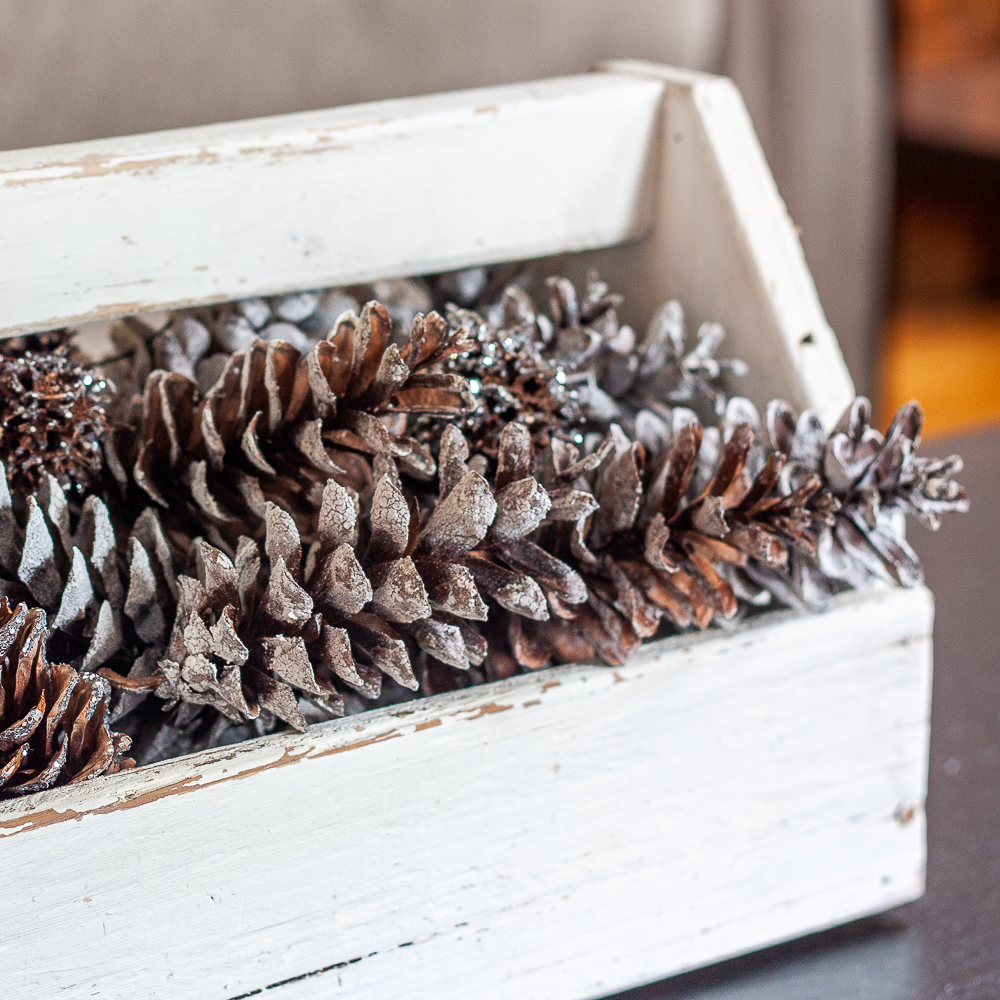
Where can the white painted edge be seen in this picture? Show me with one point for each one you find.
(543, 838)
(179, 775)
(160, 221)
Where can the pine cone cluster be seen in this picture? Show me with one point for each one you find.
(277, 424)
(301, 507)
(53, 719)
(581, 369)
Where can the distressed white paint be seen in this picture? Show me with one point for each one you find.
(104, 228)
(560, 835)
(324, 197)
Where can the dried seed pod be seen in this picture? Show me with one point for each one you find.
(67, 562)
(276, 424)
(53, 719)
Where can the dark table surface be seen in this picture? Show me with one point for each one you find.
(945, 946)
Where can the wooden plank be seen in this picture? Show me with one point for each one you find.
(724, 244)
(98, 229)
(561, 835)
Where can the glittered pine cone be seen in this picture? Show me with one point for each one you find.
(620, 375)
(52, 421)
(53, 720)
(276, 425)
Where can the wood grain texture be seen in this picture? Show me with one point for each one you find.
(560, 835)
(105, 228)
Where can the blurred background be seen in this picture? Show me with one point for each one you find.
(942, 337)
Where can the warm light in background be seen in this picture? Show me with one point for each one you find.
(942, 337)
(949, 359)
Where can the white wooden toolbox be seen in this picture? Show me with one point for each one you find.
(564, 834)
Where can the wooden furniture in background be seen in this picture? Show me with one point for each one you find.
(948, 357)
(942, 338)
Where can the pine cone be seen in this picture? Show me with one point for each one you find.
(657, 548)
(196, 343)
(74, 577)
(626, 376)
(66, 561)
(496, 552)
(753, 533)
(241, 645)
(51, 421)
(53, 720)
(877, 480)
(401, 579)
(276, 425)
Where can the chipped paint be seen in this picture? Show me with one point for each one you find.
(85, 269)
(51, 816)
(382, 738)
(97, 165)
(490, 709)
(19, 816)
(291, 755)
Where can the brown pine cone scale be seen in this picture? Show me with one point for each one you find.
(54, 720)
